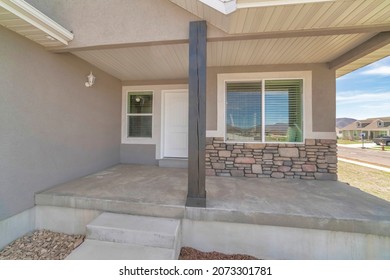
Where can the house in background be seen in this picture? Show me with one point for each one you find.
(371, 127)
(341, 123)
(339, 132)
(237, 88)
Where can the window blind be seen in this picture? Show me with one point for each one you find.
(140, 126)
(283, 110)
(243, 111)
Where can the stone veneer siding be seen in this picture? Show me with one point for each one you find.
(316, 159)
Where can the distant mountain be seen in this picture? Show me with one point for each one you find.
(343, 122)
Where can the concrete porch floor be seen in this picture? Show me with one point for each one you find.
(161, 192)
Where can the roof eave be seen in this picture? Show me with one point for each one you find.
(34, 17)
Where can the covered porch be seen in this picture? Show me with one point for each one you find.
(312, 215)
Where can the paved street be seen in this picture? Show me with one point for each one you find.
(365, 155)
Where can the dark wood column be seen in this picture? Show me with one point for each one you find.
(196, 196)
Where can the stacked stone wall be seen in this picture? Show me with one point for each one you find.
(316, 159)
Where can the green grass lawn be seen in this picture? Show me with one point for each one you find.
(369, 180)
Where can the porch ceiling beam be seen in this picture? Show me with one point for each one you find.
(378, 41)
(196, 196)
(305, 33)
(247, 36)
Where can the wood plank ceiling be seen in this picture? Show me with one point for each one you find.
(171, 61)
(304, 17)
(292, 17)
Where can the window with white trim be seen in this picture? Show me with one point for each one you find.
(139, 114)
(264, 111)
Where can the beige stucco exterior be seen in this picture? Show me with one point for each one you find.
(323, 91)
(53, 124)
(98, 23)
(53, 128)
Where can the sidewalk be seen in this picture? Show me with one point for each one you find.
(366, 145)
(365, 164)
(366, 157)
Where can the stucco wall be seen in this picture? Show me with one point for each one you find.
(52, 128)
(117, 22)
(323, 91)
(138, 154)
(322, 94)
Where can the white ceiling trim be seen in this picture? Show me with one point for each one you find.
(224, 6)
(244, 4)
(229, 6)
(34, 17)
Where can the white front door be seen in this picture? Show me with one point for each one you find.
(175, 108)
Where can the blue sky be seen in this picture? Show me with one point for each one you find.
(365, 93)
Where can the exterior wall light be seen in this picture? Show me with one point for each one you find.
(90, 80)
(140, 100)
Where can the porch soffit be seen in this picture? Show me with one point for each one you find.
(300, 18)
(305, 16)
(155, 62)
(24, 19)
(285, 34)
(289, 34)
(363, 61)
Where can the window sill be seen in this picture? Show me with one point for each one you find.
(138, 141)
(254, 142)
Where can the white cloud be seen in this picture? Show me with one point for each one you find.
(351, 97)
(362, 105)
(380, 70)
(366, 92)
(381, 106)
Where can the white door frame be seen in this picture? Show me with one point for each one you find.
(163, 130)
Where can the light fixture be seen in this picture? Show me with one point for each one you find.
(90, 80)
(140, 100)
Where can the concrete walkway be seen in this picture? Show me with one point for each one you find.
(161, 192)
(377, 167)
(358, 146)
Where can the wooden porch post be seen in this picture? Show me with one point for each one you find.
(196, 196)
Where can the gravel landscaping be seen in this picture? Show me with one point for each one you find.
(188, 253)
(42, 245)
(48, 245)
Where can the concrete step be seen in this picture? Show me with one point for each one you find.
(173, 162)
(135, 230)
(103, 250)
